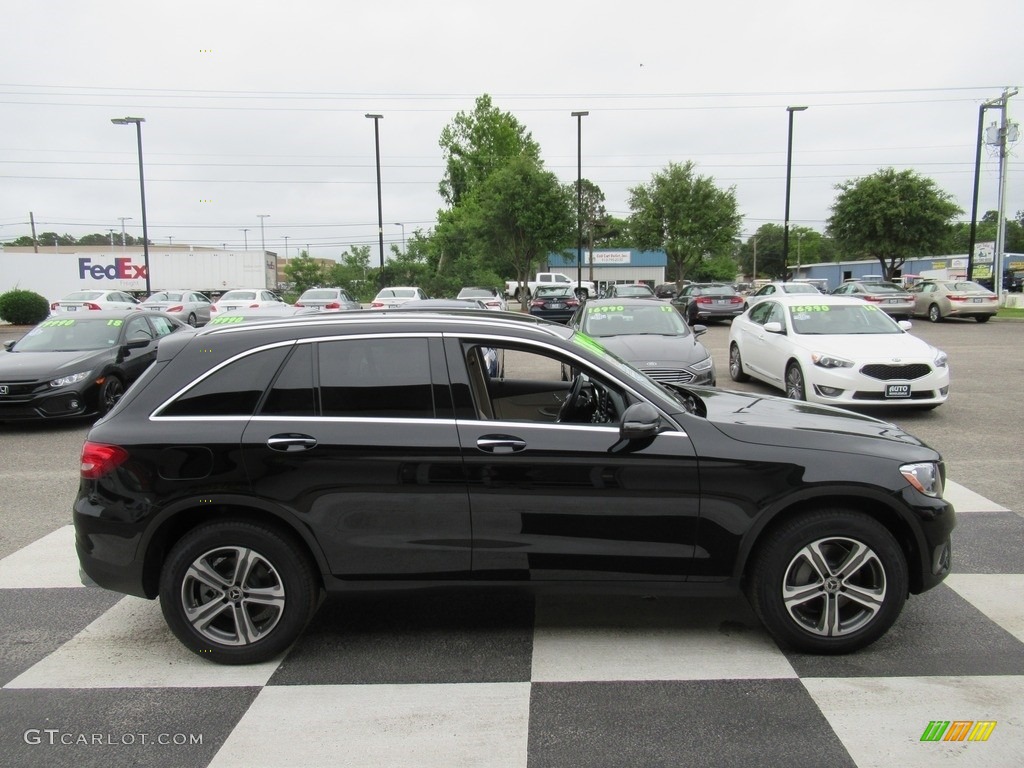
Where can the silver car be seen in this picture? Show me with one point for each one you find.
(328, 300)
(891, 298)
(190, 307)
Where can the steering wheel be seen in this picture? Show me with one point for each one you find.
(570, 403)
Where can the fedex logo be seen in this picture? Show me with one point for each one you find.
(121, 269)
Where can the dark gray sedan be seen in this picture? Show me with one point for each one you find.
(650, 335)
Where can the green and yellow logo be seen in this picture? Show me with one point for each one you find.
(958, 730)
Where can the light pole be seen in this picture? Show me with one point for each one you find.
(789, 176)
(380, 211)
(286, 247)
(123, 219)
(400, 224)
(579, 197)
(245, 238)
(799, 239)
(137, 122)
(263, 243)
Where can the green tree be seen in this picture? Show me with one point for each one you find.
(304, 272)
(685, 215)
(891, 216)
(521, 213)
(476, 144)
(768, 243)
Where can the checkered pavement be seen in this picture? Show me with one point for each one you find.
(460, 678)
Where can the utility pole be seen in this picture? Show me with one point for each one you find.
(1001, 139)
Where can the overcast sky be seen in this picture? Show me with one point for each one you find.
(259, 108)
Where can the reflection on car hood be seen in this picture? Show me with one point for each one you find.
(655, 348)
(770, 420)
(16, 366)
(869, 346)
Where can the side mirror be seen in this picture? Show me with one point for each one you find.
(774, 327)
(906, 325)
(640, 420)
(699, 329)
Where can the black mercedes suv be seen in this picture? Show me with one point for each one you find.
(255, 466)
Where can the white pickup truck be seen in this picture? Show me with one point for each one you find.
(582, 289)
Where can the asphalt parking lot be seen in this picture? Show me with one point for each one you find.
(508, 680)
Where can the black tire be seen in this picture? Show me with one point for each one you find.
(796, 387)
(934, 313)
(201, 573)
(805, 597)
(736, 364)
(983, 318)
(192, 319)
(110, 392)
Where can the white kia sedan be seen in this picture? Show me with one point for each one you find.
(836, 350)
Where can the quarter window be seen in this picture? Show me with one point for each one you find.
(233, 390)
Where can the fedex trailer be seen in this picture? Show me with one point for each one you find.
(56, 274)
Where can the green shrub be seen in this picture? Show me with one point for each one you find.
(23, 307)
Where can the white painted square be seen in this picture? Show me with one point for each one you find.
(998, 596)
(371, 726)
(965, 500)
(880, 720)
(663, 639)
(49, 562)
(130, 646)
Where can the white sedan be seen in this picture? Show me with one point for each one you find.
(95, 300)
(838, 351)
(246, 298)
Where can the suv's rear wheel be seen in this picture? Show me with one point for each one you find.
(237, 592)
(828, 582)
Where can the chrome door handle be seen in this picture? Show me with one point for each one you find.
(500, 444)
(290, 443)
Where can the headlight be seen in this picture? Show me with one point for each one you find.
(925, 476)
(74, 378)
(830, 361)
(703, 365)
(941, 359)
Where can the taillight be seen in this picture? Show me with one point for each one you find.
(952, 297)
(572, 303)
(90, 305)
(299, 304)
(213, 307)
(703, 300)
(736, 300)
(55, 306)
(875, 299)
(179, 308)
(376, 305)
(254, 305)
(536, 303)
(332, 305)
(99, 459)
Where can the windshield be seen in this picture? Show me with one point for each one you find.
(70, 335)
(549, 291)
(841, 320)
(882, 288)
(322, 293)
(238, 296)
(164, 296)
(83, 296)
(799, 288)
(658, 319)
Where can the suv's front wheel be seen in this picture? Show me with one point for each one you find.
(828, 582)
(237, 592)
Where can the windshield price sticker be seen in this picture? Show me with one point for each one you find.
(602, 310)
(811, 308)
